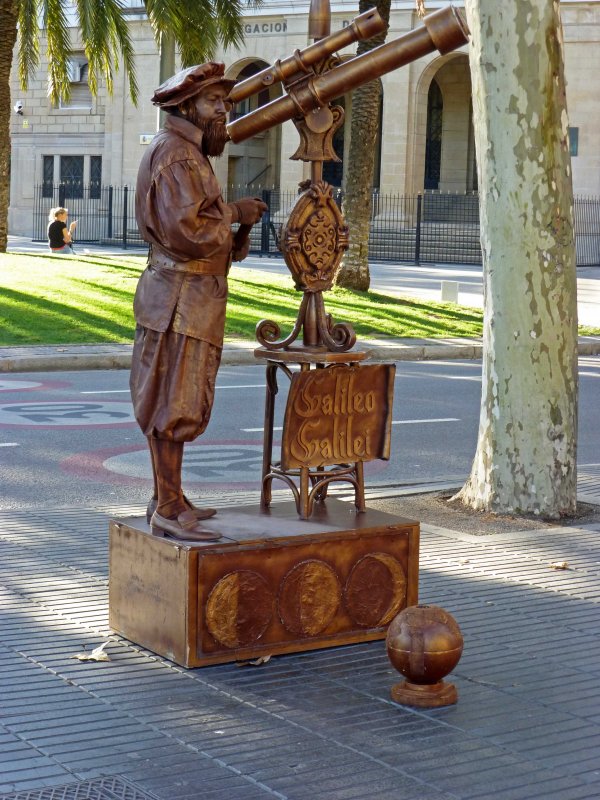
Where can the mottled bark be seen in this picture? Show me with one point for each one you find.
(8, 26)
(526, 452)
(354, 271)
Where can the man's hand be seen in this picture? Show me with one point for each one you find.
(240, 253)
(250, 210)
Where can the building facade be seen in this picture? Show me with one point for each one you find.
(426, 140)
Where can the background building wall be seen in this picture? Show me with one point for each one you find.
(111, 127)
(581, 25)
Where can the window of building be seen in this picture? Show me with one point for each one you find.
(254, 101)
(573, 141)
(333, 171)
(71, 175)
(80, 97)
(433, 140)
(47, 176)
(95, 177)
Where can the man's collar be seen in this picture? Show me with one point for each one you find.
(185, 129)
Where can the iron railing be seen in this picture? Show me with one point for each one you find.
(105, 215)
(586, 222)
(424, 228)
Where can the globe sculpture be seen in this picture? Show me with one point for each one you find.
(424, 643)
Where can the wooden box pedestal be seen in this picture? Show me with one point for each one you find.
(273, 584)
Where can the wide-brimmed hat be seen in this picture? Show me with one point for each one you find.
(190, 82)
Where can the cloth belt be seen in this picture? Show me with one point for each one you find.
(198, 266)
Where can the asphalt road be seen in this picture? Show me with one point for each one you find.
(70, 440)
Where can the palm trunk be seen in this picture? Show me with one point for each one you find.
(354, 271)
(526, 453)
(8, 26)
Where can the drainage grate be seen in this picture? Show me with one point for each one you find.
(112, 788)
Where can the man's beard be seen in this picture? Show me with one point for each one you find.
(214, 137)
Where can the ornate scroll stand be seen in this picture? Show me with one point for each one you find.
(308, 484)
(313, 241)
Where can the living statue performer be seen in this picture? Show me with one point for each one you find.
(181, 296)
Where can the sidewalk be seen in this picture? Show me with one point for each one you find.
(48, 358)
(311, 726)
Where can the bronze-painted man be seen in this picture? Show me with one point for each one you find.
(180, 300)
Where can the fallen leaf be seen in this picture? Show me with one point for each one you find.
(256, 663)
(559, 565)
(97, 654)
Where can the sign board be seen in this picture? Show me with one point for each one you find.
(340, 414)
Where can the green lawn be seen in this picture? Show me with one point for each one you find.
(56, 300)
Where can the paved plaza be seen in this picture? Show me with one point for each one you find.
(312, 726)
(318, 725)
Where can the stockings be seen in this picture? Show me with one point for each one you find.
(167, 458)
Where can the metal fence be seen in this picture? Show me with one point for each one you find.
(430, 227)
(104, 214)
(587, 230)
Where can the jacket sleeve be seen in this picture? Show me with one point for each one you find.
(186, 214)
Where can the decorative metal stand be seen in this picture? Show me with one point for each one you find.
(313, 241)
(308, 484)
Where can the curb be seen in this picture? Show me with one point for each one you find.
(89, 357)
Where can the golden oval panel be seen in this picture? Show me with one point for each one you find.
(375, 590)
(239, 608)
(314, 238)
(309, 598)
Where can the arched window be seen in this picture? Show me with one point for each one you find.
(254, 101)
(254, 165)
(333, 171)
(433, 140)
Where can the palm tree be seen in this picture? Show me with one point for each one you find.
(354, 273)
(197, 26)
(8, 25)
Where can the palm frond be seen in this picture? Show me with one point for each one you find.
(198, 26)
(59, 47)
(106, 38)
(161, 14)
(229, 16)
(28, 47)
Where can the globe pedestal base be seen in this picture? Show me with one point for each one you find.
(431, 695)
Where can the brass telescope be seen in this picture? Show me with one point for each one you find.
(443, 30)
(365, 26)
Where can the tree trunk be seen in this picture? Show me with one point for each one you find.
(525, 462)
(354, 271)
(8, 26)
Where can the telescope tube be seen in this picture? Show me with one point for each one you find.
(365, 26)
(444, 30)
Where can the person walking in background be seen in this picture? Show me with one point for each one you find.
(60, 237)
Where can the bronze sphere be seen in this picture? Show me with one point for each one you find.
(424, 643)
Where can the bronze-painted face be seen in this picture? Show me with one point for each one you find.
(208, 111)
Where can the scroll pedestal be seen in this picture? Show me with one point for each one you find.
(338, 415)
